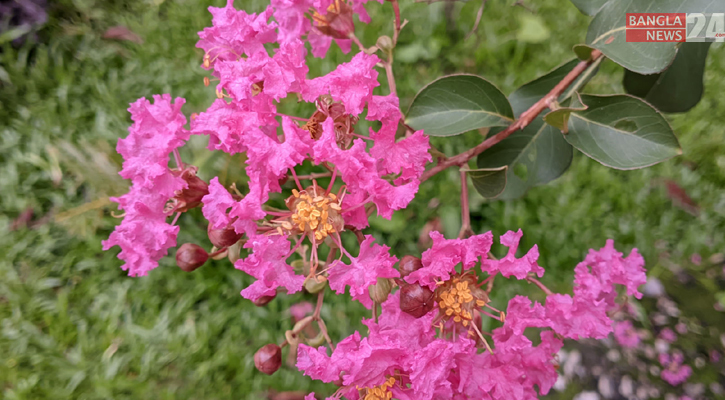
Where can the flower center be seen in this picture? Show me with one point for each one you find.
(456, 300)
(317, 215)
(380, 392)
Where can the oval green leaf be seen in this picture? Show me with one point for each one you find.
(620, 131)
(537, 154)
(607, 32)
(589, 7)
(488, 182)
(679, 87)
(458, 103)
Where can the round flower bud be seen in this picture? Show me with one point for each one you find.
(379, 292)
(264, 300)
(268, 359)
(190, 257)
(222, 237)
(385, 43)
(408, 265)
(416, 300)
(315, 284)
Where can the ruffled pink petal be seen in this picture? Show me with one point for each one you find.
(216, 204)
(510, 265)
(268, 263)
(373, 262)
(440, 261)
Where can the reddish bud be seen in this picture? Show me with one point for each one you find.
(190, 257)
(408, 265)
(264, 300)
(186, 199)
(268, 359)
(416, 300)
(221, 238)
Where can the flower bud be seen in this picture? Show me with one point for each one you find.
(222, 237)
(416, 300)
(264, 300)
(268, 359)
(186, 199)
(385, 43)
(315, 284)
(408, 265)
(379, 292)
(190, 257)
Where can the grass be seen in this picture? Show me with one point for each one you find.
(74, 326)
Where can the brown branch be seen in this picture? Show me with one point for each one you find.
(524, 120)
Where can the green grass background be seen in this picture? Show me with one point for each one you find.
(73, 325)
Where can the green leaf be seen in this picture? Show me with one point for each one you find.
(620, 131)
(608, 34)
(458, 103)
(679, 87)
(589, 7)
(559, 118)
(538, 153)
(488, 182)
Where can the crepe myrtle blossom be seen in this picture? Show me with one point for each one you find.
(365, 173)
(235, 33)
(436, 355)
(674, 371)
(157, 191)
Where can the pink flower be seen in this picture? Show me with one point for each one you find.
(440, 261)
(268, 264)
(668, 335)
(227, 124)
(511, 266)
(144, 235)
(234, 33)
(351, 83)
(407, 157)
(261, 74)
(577, 317)
(674, 371)
(290, 14)
(609, 266)
(216, 205)
(300, 310)
(626, 335)
(372, 263)
(157, 130)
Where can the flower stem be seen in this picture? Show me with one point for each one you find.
(524, 120)
(540, 285)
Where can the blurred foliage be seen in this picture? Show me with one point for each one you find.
(74, 326)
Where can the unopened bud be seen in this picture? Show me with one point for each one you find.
(408, 265)
(416, 300)
(315, 284)
(379, 292)
(222, 237)
(190, 257)
(385, 43)
(188, 198)
(264, 300)
(268, 359)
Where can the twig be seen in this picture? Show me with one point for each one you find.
(524, 120)
(479, 15)
(466, 230)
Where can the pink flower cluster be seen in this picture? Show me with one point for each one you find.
(431, 358)
(251, 82)
(428, 342)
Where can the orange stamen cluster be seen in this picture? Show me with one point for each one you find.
(316, 215)
(380, 392)
(456, 300)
